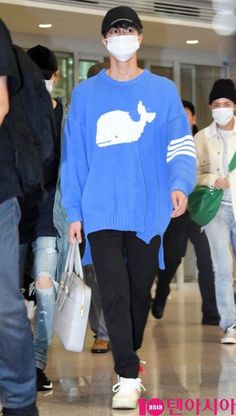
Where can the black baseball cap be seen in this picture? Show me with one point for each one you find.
(119, 16)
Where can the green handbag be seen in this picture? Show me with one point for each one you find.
(203, 203)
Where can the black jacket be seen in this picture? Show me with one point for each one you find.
(9, 185)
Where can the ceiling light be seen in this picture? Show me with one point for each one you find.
(192, 41)
(224, 23)
(45, 25)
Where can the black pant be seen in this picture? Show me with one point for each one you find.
(175, 244)
(125, 269)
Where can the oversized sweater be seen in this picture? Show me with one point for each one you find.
(127, 145)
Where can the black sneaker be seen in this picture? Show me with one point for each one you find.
(159, 303)
(43, 383)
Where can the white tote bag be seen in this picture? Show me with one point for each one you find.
(72, 303)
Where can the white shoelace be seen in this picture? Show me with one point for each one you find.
(137, 382)
(231, 329)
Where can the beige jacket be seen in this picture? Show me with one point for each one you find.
(209, 150)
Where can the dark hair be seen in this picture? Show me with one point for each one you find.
(190, 106)
(95, 68)
(45, 59)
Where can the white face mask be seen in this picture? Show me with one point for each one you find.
(123, 47)
(49, 84)
(222, 116)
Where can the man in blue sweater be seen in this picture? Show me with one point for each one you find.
(128, 165)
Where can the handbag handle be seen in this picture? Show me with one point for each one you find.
(78, 262)
(73, 264)
(68, 258)
(73, 260)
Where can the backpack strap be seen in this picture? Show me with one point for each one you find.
(232, 164)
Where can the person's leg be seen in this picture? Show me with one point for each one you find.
(124, 322)
(17, 380)
(26, 266)
(44, 270)
(96, 317)
(142, 262)
(62, 244)
(223, 263)
(174, 243)
(23, 250)
(206, 278)
(233, 241)
(233, 237)
(113, 280)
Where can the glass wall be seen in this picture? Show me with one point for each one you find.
(195, 80)
(65, 83)
(84, 66)
(164, 71)
(196, 83)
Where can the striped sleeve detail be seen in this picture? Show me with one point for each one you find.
(183, 146)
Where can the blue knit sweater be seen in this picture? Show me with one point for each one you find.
(127, 146)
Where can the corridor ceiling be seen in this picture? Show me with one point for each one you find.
(167, 24)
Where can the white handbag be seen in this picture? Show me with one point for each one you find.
(72, 304)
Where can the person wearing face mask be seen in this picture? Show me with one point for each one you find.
(180, 230)
(37, 231)
(216, 146)
(128, 164)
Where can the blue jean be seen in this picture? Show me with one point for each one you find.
(221, 234)
(44, 264)
(17, 363)
(61, 225)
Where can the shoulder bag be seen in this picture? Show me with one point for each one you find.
(72, 303)
(204, 201)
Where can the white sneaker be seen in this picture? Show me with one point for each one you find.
(127, 393)
(230, 335)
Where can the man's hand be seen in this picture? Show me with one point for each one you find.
(74, 232)
(180, 201)
(4, 98)
(221, 183)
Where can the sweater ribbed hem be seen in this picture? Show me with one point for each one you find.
(121, 222)
(125, 223)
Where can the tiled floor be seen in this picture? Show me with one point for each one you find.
(185, 360)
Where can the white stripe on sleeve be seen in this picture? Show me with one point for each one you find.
(183, 146)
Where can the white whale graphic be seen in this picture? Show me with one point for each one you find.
(117, 126)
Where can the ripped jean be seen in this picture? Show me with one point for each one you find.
(44, 264)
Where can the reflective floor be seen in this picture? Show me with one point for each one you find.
(186, 368)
